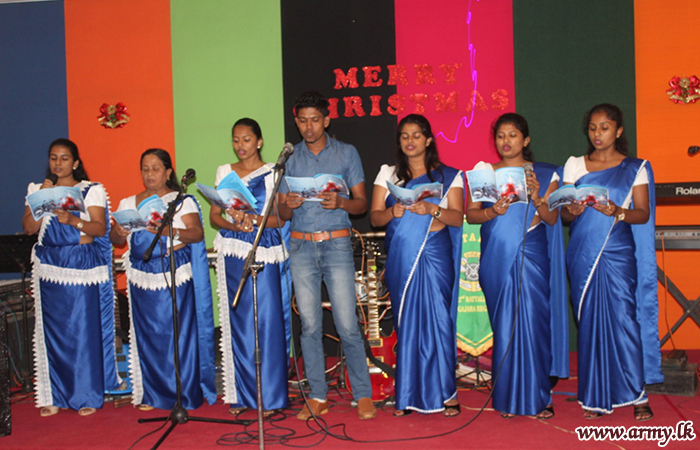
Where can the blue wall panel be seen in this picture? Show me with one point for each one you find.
(33, 103)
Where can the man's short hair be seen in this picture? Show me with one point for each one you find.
(311, 99)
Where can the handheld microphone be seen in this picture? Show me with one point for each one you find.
(693, 150)
(529, 170)
(287, 151)
(53, 178)
(188, 176)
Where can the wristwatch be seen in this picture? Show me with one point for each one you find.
(255, 220)
(437, 213)
(620, 217)
(80, 225)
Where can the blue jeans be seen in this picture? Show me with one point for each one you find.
(331, 262)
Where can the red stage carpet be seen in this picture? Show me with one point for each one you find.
(117, 428)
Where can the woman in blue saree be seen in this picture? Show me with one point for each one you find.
(522, 275)
(73, 295)
(237, 232)
(151, 333)
(611, 261)
(423, 243)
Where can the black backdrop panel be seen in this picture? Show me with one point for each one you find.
(319, 36)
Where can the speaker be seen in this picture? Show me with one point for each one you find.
(680, 376)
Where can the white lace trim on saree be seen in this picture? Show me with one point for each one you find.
(234, 247)
(62, 275)
(157, 281)
(228, 365)
(134, 361)
(42, 383)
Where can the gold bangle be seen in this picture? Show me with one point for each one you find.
(486, 213)
(540, 203)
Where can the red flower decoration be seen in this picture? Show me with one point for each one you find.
(684, 90)
(113, 116)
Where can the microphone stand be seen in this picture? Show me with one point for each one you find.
(178, 414)
(251, 267)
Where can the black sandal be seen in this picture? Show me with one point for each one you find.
(546, 413)
(592, 415)
(643, 412)
(452, 410)
(402, 412)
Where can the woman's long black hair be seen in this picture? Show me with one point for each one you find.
(613, 113)
(79, 173)
(521, 125)
(432, 160)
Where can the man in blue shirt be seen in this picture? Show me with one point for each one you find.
(320, 250)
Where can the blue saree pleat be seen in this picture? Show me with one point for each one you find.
(74, 329)
(524, 290)
(152, 334)
(274, 312)
(607, 262)
(421, 274)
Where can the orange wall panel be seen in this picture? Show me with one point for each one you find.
(666, 47)
(119, 52)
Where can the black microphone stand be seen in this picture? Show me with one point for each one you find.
(178, 414)
(251, 267)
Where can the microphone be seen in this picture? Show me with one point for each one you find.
(287, 151)
(692, 150)
(188, 176)
(53, 178)
(529, 170)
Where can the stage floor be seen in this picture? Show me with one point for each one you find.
(117, 427)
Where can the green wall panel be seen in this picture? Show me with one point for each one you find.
(227, 64)
(569, 56)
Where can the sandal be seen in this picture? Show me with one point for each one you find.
(401, 412)
(86, 411)
(47, 411)
(452, 410)
(146, 408)
(643, 412)
(546, 413)
(236, 410)
(507, 415)
(591, 415)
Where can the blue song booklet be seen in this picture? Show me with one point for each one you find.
(589, 194)
(487, 185)
(408, 197)
(45, 201)
(147, 213)
(231, 193)
(311, 187)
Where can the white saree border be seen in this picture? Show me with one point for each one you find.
(228, 367)
(134, 360)
(42, 382)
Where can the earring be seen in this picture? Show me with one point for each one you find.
(259, 147)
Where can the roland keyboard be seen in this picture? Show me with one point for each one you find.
(678, 237)
(677, 193)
